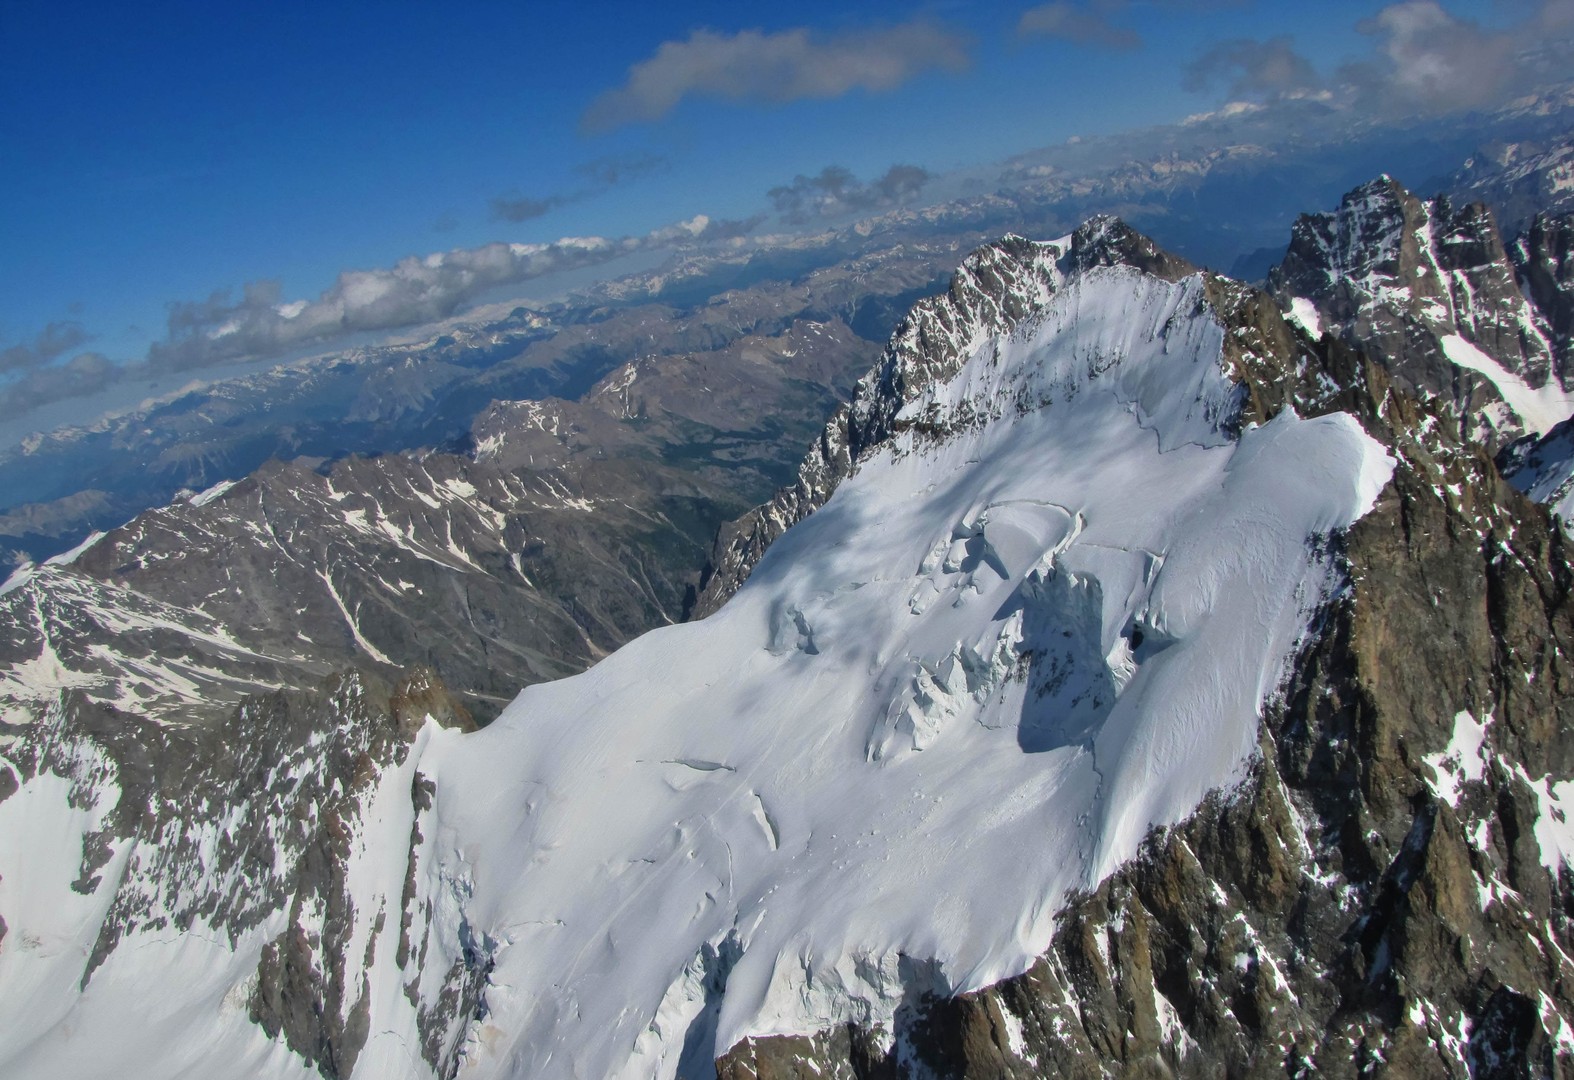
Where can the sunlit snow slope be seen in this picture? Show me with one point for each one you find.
(969, 683)
(1043, 618)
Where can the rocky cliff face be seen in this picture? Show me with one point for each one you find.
(1428, 289)
(233, 833)
(1544, 258)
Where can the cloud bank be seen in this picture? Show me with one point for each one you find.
(836, 192)
(54, 340)
(1097, 23)
(84, 373)
(517, 208)
(415, 290)
(1249, 68)
(600, 174)
(1431, 58)
(259, 324)
(1426, 61)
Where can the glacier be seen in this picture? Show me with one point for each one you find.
(1045, 617)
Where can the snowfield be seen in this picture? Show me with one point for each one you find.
(1042, 620)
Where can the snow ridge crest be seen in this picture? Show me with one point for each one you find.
(993, 290)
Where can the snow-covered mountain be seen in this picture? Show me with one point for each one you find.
(990, 293)
(1520, 179)
(1432, 292)
(1134, 679)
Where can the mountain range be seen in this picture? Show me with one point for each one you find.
(1222, 191)
(1142, 673)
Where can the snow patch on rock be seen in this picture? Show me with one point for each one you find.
(1539, 408)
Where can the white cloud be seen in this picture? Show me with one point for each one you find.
(836, 191)
(1425, 60)
(416, 289)
(1228, 111)
(1429, 57)
(1269, 69)
(775, 67)
(54, 340)
(1088, 24)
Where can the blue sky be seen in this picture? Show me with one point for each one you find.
(160, 152)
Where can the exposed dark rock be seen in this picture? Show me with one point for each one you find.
(1544, 258)
(1393, 275)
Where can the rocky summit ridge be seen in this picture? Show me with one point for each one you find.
(1216, 600)
(1433, 293)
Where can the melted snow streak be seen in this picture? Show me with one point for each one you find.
(1044, 618)
(1540, 409)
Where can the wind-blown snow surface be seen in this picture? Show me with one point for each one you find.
(1043, 619)
(970, 682)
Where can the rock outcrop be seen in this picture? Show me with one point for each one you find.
(1407, 281)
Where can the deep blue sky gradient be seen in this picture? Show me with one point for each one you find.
(160, 151)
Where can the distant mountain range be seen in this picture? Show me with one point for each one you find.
(1222, 191)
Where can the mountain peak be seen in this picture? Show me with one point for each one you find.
(1106, 240)
(1430, 291)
